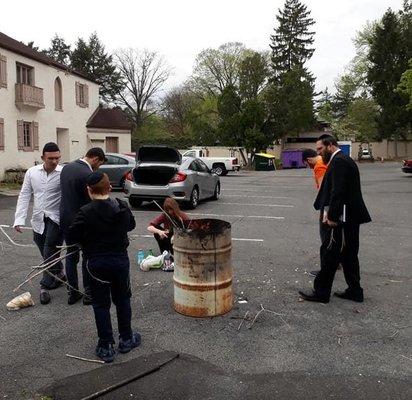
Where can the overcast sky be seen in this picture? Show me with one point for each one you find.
(180, 29)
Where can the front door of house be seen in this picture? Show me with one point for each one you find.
(63, 141)
(112, 144)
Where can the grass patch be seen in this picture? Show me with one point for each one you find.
(10, 185)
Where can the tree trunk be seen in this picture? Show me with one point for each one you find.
(396, 146)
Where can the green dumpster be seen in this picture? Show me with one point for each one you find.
(264, 162)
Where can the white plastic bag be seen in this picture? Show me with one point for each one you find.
(152, 262)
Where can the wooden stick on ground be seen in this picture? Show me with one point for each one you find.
(270, 311)
(85, 359)
(243, 320)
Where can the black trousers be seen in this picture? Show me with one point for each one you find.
(71, 267)
(47, 242)
(110, 281)
(340, 245)
(164, 244)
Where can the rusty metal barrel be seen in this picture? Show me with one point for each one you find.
(203, 269)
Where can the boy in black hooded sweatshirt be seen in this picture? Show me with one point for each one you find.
(101, 229)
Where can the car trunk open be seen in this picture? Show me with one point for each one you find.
(156, 165)
(159, 175)
(154, 154)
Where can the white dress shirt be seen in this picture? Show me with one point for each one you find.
(87, 163)
(46, 193)
(333, 155)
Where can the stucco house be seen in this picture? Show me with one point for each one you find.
(42, 100)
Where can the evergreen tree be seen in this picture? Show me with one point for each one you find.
(92, 60)
(346, 89)
(388, 60)
(289, 103)
(230, 129)
(324, 107)
(32, 46)
(292, 41)
(253, 74)
(59, 50)
(405, 18)
(290, 97)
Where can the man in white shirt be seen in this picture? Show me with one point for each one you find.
(43, 182)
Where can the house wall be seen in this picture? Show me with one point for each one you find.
(71, 122)
(97, 138)
(386, 149)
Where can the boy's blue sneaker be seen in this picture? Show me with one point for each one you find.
(106, 353)
(126, 345)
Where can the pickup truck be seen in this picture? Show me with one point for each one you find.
(220, 165)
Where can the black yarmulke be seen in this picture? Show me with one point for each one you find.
(94, 177)
(50, 147)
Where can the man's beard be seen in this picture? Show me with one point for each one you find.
(326, 156)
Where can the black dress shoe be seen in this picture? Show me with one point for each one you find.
(44, 297)
(313, 297)
(74, 297)
(87, 300)
(348, 295)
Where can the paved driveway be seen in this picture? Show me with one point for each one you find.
(275, 242)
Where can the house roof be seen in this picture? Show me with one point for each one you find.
(15, 46)
(109, 118)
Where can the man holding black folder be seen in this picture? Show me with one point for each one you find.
(342, 211)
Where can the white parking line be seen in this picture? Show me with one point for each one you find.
(261, 197)
(225, 215)
(248, 240)
(151, 236)
(270, 187)
(235, 239)
(236, 216)
(259, 205)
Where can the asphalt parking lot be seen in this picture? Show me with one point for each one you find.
(275, 243)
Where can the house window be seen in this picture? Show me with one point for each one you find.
(3, 71)
(1, 134)
(27, 139)
(82, 94)
(27, 135)
(58, 95)
(24, 74)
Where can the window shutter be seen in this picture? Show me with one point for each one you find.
(86, 95)
(3, 71)
(20, 134)
(35, 130)
(1, 134)
(77, 93)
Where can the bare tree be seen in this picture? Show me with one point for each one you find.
(218, 68)
(144, 73)
(176, 106)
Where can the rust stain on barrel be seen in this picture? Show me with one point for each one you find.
(203, 287)
(191, 311)
(203, 269)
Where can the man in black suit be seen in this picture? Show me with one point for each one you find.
(342, 211)
(74, 195)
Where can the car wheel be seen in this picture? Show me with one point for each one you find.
(121, 183)
(135, 202)
(194, 198)
(219, 169)
(216, 194)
